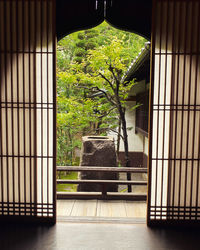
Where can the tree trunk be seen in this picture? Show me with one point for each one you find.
(125, 135)
(71, 151)
(118, 137)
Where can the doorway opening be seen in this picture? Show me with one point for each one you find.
(98, 70)
(28, 103)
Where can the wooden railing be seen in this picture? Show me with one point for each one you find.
(103, 194)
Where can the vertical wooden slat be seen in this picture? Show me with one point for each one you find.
(188, 115)
(41, 86)
(176, 100)
(183, 96)
(30, 104)
(47, 75)
(176, 115)
(196, 82)
(35, 108)
(12, 130)
(164, 104)
(23, 89)
(54, 106)
(150, 122)
(1, 142)
(18, 118)
(12, 100)
(172, 101)
(158, 103)
(6, 109)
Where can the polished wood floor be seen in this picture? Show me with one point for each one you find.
(96, 236)
(99, 208)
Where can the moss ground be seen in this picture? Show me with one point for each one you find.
(67, 187)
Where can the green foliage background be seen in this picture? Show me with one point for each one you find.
(81, 111)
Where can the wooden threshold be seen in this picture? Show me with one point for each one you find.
(99, 196)
(91, 219)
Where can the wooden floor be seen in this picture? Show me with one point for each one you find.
(96, 236)
(99, 208)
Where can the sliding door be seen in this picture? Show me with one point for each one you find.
(27, 110)
(174, 152)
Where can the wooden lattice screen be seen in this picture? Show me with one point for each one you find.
(174, 152)
(27, 112)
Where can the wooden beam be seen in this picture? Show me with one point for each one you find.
(99, 196)
(118, 182)
(100, 169)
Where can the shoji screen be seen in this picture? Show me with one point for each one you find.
(174, 162)
(27, 114)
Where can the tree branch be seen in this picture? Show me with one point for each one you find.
(107, 113)
(109, 82)
(106, 95)
(113, 73)
(112, 131)
(100, 90)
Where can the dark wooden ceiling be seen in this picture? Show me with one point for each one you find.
(130, 15)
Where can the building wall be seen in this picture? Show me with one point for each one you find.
(145, 153)
(135, 140)
(146, 144)
(138, 143)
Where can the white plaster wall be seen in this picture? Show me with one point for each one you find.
(146, 144)
(135, 140)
